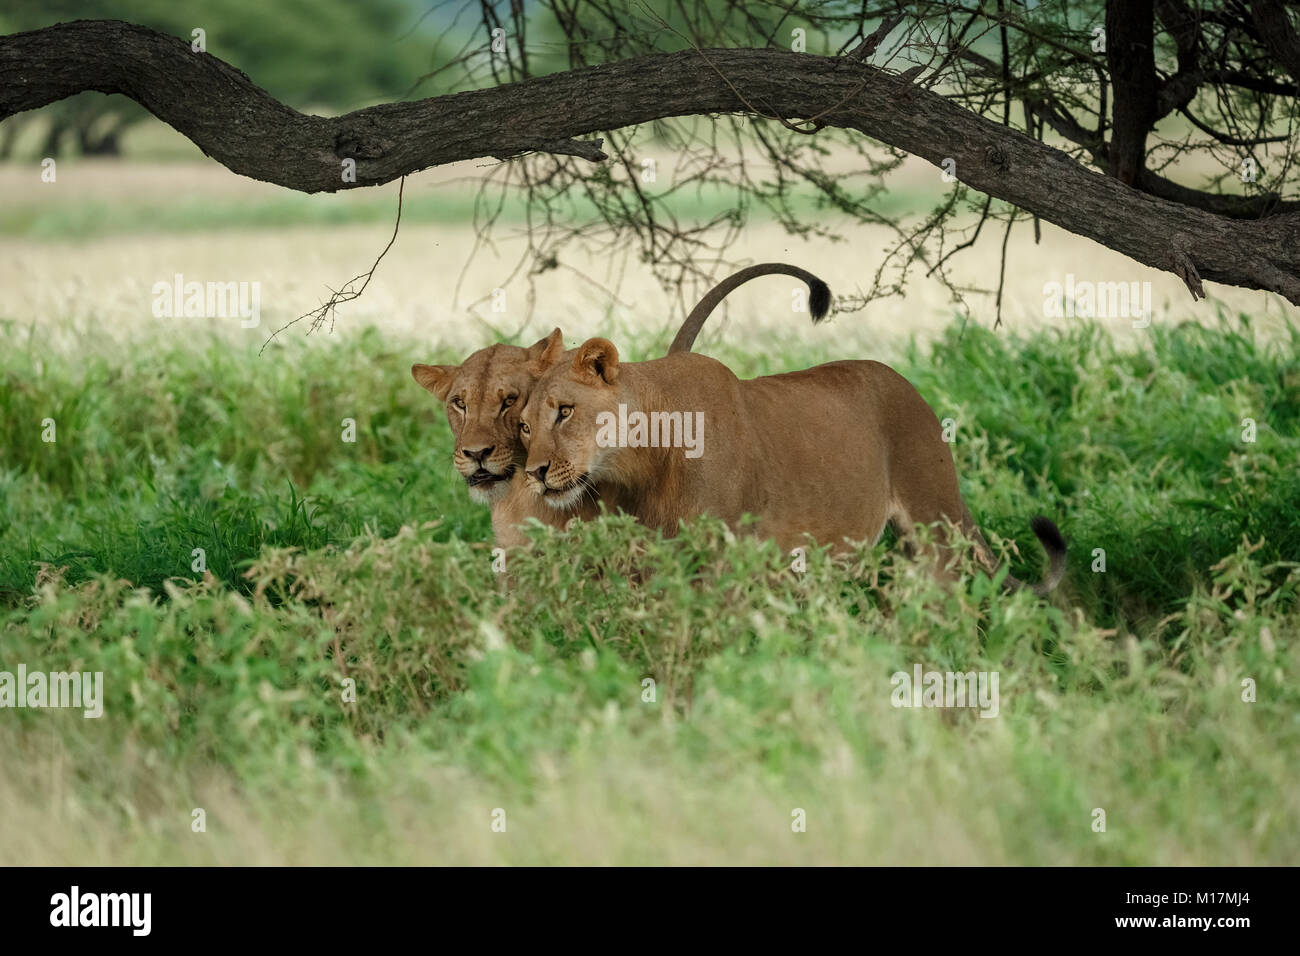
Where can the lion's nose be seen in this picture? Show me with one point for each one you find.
(538, 474)
(478, 454)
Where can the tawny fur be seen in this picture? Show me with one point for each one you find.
(475, 391)
(834, 453)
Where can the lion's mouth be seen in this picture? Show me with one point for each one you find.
(484, 477)
(581, 483)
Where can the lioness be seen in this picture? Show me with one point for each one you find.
(484, 394)
(835, 452)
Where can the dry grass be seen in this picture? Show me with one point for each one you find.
(435, 287)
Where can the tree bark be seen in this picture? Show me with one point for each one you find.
(251, 133)
(1275, 30)
(1130, 56)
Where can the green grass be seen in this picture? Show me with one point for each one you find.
(328, 560)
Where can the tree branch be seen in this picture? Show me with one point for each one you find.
(1130, 57)
(1275, 30)
(248, 131)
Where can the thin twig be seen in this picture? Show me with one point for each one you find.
(347, 293)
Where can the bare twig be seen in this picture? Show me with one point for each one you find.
(347, 293)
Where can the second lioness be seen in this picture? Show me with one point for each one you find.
(483, 396)
(834, 453)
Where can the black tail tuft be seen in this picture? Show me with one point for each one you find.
(819, 298)
(1049, 534)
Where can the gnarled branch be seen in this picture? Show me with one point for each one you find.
(251, 133)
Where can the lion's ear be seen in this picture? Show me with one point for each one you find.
(598, 357)
(436, 378)
(546, 352)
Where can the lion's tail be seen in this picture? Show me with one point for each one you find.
(1049, 536)
(1053, 542)
(819, 299)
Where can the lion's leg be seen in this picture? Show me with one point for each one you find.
(925, 492)
(934, 499)
(508, 515)
(929, 547)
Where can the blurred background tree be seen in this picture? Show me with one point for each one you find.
(311, 54)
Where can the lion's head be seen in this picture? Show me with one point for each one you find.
(559, 425)
(484, 396)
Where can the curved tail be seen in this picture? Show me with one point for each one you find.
(819, 299)
(1049, 536)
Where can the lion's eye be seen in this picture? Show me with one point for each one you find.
(524, 429)
(509, 400)
(458, 403)
(565, 412)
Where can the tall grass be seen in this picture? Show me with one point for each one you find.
(329, 562)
